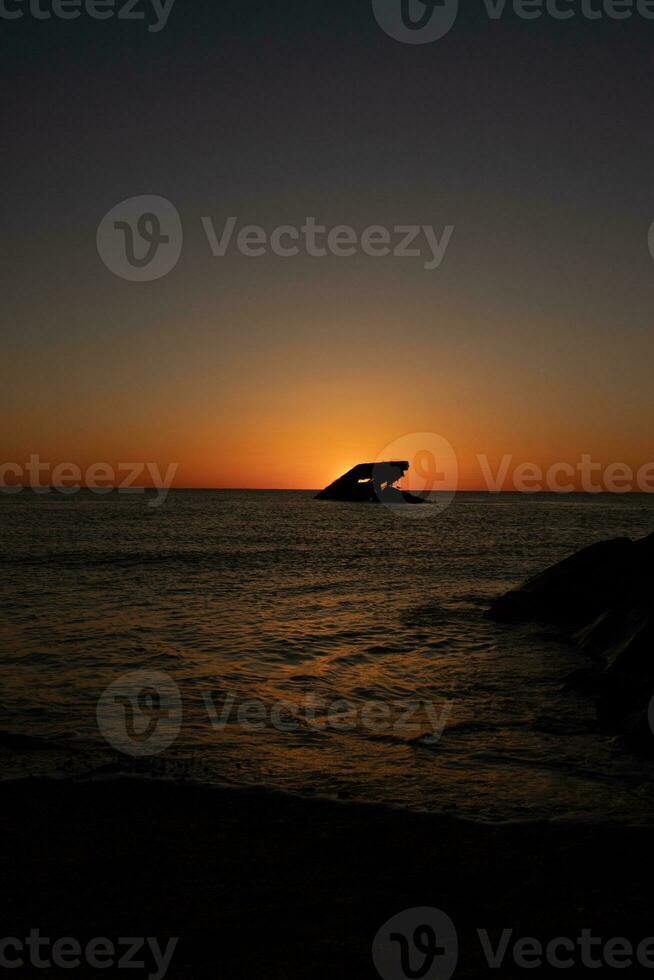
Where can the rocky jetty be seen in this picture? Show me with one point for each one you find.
(602, 599)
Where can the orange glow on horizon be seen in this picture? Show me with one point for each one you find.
(298, 413)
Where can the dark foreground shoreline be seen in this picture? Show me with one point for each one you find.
(261, 884)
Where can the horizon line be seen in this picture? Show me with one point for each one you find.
(68, 491)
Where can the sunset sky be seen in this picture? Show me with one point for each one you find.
(534, 338)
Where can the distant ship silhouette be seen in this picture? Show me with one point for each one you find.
(371, 483)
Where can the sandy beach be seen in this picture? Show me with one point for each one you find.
(263, 884)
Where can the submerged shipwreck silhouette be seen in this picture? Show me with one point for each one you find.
(371, 483)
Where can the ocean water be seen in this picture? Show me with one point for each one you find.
(317, 647)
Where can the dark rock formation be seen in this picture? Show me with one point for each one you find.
(603, 599)
(371, 483)
(576, 591)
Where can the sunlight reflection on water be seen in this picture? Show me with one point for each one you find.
(273, 596)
